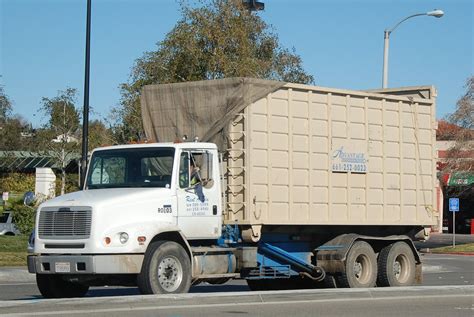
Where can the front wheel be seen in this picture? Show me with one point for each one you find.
(360, 268)
(166, 269)
(396, 265)
(55, 286)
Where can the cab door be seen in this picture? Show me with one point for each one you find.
(199, 207)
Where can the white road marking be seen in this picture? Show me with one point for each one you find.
(434, 269)
(149, 308)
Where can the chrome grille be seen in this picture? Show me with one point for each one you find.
(64, 223)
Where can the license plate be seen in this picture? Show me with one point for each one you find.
(62, 267)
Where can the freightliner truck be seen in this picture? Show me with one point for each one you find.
(283, 185)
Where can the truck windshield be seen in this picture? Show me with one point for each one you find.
(146, 167)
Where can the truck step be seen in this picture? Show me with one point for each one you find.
(279, 271)
(200, 250)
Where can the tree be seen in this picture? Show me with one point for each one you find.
(99, 134)
(11, 134)
(15, 131)
(217, 40)
(58, 134)
(5, 106)
(6, 130)
(460, 156)
(446, 131)
(463, 116)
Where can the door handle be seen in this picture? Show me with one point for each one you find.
(214, 209)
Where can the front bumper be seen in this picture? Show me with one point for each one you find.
(86, 264)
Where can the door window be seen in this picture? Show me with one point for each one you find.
(195, 168)
(184, 170)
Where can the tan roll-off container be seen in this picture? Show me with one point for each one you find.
(307, 155)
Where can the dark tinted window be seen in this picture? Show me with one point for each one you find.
(4, 217)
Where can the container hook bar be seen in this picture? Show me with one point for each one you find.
(315, 272)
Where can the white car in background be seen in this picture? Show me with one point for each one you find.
(7, 227)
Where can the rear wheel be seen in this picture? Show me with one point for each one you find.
(166, 269)
(396, 265)
(360, 268)
(54, 286)
(330, 282)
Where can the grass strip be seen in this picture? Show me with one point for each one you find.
(467, 248)
(13, 250)
(13, 258)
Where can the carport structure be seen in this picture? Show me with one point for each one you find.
(27, 162)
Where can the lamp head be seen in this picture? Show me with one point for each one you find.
(436, 13)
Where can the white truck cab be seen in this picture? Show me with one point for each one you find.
(132, 194)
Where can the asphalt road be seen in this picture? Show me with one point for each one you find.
(448, 290)
(438, 270)
(407, 301)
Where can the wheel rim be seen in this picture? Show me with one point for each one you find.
(400, 268)
(170, 274)
(361, 269)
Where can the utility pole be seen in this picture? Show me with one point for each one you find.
(85, 115)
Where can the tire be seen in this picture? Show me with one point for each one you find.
(165, 270)
(396, 265)
(54, 286)
(360, 267)
(330, 282)
(218, 281)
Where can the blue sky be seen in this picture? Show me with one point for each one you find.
(42, 45)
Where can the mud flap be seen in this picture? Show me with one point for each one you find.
(418, 273)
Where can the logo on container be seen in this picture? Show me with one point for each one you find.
(349, 157)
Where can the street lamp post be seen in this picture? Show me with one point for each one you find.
(435, 13)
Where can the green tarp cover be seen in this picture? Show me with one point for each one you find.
(200, 109)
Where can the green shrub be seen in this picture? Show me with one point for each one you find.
(22, 183)
(17, 182)
(24, 218)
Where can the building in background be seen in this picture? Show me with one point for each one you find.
(456, 179)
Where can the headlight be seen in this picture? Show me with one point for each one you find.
(123, 237)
